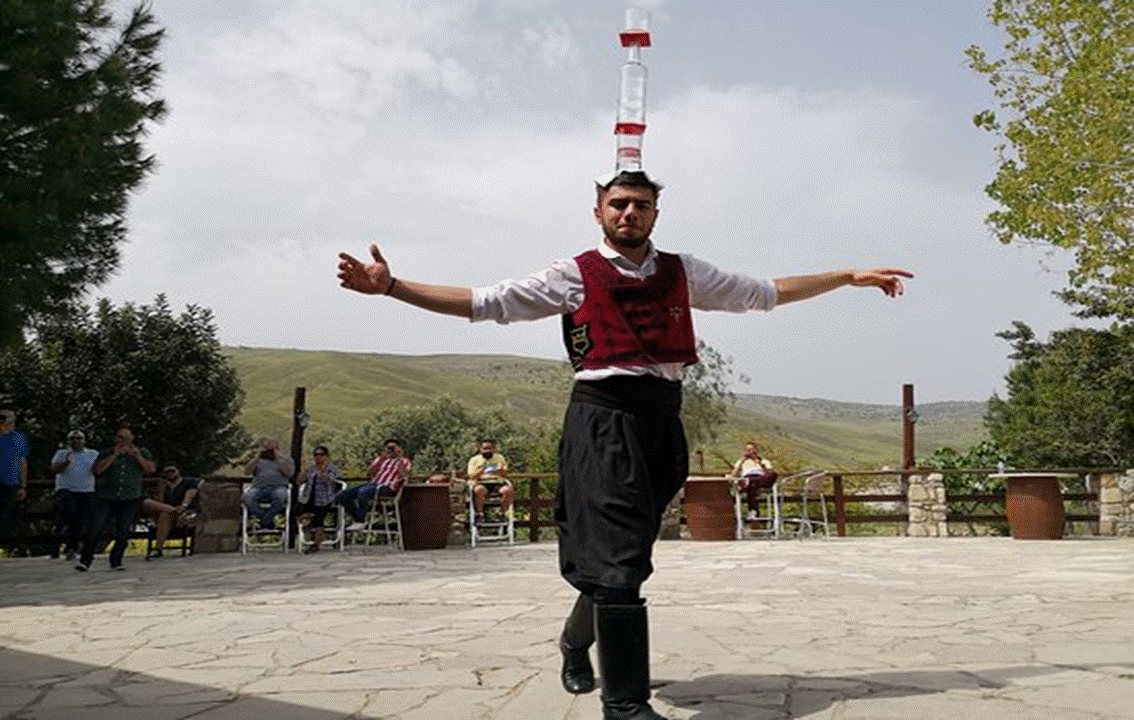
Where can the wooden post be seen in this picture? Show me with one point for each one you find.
(533, 509)
(840, 507)
(909, 418)
(299, 420)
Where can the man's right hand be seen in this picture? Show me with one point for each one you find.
(371, 279)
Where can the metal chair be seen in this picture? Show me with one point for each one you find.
(338, 538)
(500, 530)
(809, 492)
(264, 539)
(768, 525)
(383, 520)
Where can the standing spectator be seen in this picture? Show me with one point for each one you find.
(74, 490)
(14, 451)
(271, 473)
(756, 475)
(316, 494)
(118, 496)
(179, 505)
(488, 474)
(387, 474)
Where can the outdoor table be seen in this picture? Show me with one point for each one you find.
(1033, 503)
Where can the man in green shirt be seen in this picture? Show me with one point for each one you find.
(118, 495)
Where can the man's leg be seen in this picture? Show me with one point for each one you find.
(506, 493)
(99, 517)
(8, 516)
(251, 500)
(277, 504)
(578, 675)
(364, 499)
(623, 635)
(348, 498)
(124, 513)
(65, 519)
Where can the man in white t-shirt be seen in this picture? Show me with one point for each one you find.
(74, 489)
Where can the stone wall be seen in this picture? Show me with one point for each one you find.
(1116, 504)
(928, 511)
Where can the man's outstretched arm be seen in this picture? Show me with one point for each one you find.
(375, 279)
(802, 287)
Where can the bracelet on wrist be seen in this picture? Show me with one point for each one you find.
(389, 289)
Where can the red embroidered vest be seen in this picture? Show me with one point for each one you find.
(630, 322)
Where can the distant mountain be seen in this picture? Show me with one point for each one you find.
(347, 388)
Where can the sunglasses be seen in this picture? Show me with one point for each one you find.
(168, 472)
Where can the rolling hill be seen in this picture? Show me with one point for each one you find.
(344, 389)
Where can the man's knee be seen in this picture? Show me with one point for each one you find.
(616, 596)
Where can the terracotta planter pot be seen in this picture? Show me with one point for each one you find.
(1033, 503)
(426, 516)
(710, 513)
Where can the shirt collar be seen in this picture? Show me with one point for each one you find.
(618, 260)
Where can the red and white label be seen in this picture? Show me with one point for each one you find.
(629, 129)
(629, 38)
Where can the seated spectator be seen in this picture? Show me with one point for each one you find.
(74, 490)
(271, 473)
(487, 474)
(387, 474)
(178, 507)
(319, 481)
(756, 475)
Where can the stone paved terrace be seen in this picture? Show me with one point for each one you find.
(854, 629)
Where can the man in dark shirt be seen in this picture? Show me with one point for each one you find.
(177, 506)
(118, 496)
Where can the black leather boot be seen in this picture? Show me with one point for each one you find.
(622, 632)
(578, 675)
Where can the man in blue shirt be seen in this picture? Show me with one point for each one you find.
(14, 450)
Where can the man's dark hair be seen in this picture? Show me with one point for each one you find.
(628, 178)
(389, 440)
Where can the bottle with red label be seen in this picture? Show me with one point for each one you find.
(631, 123)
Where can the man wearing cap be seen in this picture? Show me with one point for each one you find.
(14, 449)
(74, 489)
(625, 309)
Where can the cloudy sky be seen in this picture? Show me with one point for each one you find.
(793, 137)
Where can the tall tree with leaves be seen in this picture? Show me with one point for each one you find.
(76, 95)
(164, 375)
(1066, 175)
(705, 394)
(1070, 400)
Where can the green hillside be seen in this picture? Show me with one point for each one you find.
(346, 388)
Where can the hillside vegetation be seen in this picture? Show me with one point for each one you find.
(344, 389)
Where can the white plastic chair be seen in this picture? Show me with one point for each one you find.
(338, 534)
(383, 520)
(768, 525)
(809, 492)
(494, 531)
(260, 539)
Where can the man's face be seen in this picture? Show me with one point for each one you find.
(171, 474)
(750, 450)
(392, 449)
(77, 441)
(123, 437)
(627, 214)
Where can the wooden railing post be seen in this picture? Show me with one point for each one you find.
(840, 507)
(533, 509)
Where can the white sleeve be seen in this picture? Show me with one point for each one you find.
(555, 290)
(711, 288)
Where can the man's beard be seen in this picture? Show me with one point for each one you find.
(629, 242)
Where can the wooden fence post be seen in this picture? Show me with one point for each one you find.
(840, 507)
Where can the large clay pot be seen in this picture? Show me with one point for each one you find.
(1033, 503)
(710, 511)
(426, 516)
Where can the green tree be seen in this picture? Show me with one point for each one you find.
(165, 376)
(706, 395)
(76, 95)
(1070, 401)
(1066, 176)
(985, 456)
(442, 436)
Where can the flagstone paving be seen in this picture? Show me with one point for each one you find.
(853, 629)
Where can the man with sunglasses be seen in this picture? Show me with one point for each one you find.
(74, 490)
(387, 474)
(179, 505)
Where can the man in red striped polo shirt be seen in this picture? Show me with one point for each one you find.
(387, 473)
